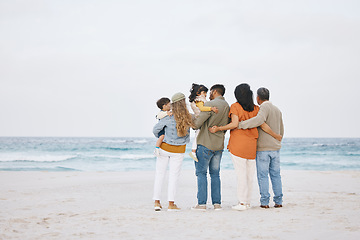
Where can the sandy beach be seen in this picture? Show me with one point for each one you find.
(118, 205)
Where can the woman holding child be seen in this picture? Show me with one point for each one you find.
(172, 149)
(242, 143)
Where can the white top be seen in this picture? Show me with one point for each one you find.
(161, 115)
(196, 110)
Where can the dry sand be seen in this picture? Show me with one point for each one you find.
(118, 205)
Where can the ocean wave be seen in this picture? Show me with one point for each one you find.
(132, 154)
(356, 154)
(120, 148)
(34, 158)
(136, 156)
(55, 169)
(114, 141)
(99, 156)
(140, 141)
(319, 145)
(348, 144)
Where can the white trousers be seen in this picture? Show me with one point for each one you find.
(174, 160)
(245, 171)
(194, 145)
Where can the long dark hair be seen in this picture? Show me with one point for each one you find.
(195, 90)
(244, 96)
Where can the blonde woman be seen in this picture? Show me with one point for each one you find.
(177, 134)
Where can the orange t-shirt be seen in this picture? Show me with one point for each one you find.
(242, 142)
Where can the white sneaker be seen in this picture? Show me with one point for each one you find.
(199, 208)
(240, 207)
(193, 156)
(157, 152)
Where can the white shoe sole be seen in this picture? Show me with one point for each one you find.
(199, 210)
(157, 209)
(237, 209)
(173, 210)
(240, 209)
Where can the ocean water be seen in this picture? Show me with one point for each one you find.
(136, 154)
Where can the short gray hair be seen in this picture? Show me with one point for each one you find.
(263, 94)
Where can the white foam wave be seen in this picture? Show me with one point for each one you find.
(140, 141)
(124, 156)
(9, 157)
(136, 156)
(318, 145)
(114, 141)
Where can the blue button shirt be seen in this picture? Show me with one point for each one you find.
(171, 136)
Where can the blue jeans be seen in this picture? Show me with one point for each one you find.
(208, 159)
(268, 162)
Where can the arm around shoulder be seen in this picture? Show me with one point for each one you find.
(256, 121)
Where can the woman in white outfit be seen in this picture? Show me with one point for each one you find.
(177, 134)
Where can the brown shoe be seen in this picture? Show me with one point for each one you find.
(173, 208)
(277, 206)
(217, 207)
(157, 207)
(198, 207)
(264, 206)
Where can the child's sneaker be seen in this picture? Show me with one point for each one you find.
(173, 208)
(193, 156)
(157, 152)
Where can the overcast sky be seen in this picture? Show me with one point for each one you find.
(96, 68)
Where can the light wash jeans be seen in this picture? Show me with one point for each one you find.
(268, 162)
(174, 160)
(208, 159)
(245, 172)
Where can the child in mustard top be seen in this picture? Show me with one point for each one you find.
(197, 99)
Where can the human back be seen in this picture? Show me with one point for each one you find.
(272, 116)
(210, 148)
(275, 122)
(177, 127)
(213, 141)
(242, 142)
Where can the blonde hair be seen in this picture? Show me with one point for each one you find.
(182, 117)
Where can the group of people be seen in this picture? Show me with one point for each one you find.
(255, 141)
